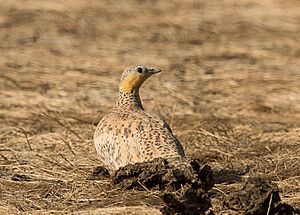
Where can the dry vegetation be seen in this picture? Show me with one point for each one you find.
(230, 89)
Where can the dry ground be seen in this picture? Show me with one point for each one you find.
(230, 89)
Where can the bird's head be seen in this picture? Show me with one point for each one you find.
(134, 76)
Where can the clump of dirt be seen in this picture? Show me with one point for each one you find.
(183, 186)
(20, 177)
(257, 196)
(99, 173)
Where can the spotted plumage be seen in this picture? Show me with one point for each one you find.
(130, 135)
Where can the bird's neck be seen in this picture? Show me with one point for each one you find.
(128, 100)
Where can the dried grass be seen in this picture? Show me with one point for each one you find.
(230, 88)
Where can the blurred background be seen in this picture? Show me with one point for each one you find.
(230, 89)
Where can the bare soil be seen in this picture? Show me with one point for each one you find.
(230, 90)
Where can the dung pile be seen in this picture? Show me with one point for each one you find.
(186, 188)
(258, 196)
(183, 186)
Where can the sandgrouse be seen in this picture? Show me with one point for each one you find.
(130, 135)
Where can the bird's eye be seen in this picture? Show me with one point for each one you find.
(140, 70)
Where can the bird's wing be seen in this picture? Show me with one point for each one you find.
(156, 138)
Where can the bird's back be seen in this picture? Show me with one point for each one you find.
(131, 136)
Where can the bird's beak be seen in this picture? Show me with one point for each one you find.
(154, 70)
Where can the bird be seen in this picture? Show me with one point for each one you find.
(128, 134)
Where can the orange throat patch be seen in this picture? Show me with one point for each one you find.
(131, 84)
